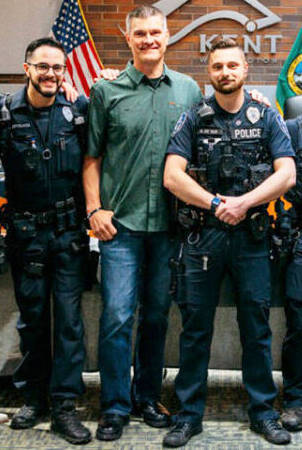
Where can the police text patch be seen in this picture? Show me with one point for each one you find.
(247, 133)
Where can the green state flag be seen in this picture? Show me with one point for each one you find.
(290, 78)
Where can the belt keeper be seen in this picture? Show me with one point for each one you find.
(93, 212)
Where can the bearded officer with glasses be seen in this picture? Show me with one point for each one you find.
(41, 141)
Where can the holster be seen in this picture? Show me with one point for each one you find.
(258, 225)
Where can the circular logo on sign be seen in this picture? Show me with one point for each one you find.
(294, 75)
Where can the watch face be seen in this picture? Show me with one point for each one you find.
(215, 203)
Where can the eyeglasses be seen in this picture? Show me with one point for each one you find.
(43, 68)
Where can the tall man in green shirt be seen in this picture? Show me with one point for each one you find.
(130, 124)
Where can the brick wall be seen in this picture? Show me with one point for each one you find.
(105, 16)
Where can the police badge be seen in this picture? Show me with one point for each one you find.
(253, 114)
(67, 113)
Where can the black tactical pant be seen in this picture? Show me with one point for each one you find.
(292, 345)
(45, 265)
(206, 261)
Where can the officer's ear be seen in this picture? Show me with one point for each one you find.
(246, 68)
(26, 69)
(245, 64)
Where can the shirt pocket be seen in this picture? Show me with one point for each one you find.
(128, 120)
(68, 152)
(25, 157)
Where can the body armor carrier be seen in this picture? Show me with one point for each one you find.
(50, 166)
(288, 222)
(232, 160)
(229, 159)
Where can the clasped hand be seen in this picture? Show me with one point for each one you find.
(232, 210)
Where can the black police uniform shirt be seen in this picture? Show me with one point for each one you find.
(295, 130)
(50, 142)
(295, 194)
(244, 126)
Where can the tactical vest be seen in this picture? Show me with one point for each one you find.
(294, 195)
(231, 156)
(39, 174)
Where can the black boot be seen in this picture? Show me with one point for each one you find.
(29, 415)
(66, 423)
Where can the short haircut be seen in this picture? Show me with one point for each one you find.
(143, 12)
(47, 41)
(221, 42)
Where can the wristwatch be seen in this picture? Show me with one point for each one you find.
(215, 203)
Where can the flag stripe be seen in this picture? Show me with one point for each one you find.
(80, 72)
(88, 60)
(77, 79)
(94, 62)
(94, 52)
(83, 65)
(70, 71)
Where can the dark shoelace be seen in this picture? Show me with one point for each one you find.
(272, 425)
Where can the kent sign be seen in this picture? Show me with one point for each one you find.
(250, 42)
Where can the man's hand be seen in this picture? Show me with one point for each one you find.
(259, 97)
(232, 210)
(70, 92)
(102, 226)
(108, 74)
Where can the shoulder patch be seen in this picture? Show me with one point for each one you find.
(282, 125)
(179, 124)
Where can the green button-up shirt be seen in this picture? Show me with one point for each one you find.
(130, 124)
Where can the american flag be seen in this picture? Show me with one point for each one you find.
(83, 62)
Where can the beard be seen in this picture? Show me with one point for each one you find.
(47, 94)
(227, 89)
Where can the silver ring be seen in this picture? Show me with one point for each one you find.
(193, 238)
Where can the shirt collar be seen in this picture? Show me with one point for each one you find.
(137, 77)
(19, 99)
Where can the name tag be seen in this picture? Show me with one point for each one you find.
(20, 125)
(210, 131)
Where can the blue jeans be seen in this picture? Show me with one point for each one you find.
(134, 271)
(206, 262)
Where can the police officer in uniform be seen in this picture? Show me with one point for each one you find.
(41, 152)
(242, 159)
(288, 233)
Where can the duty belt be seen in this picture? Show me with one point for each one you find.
(40, 218)
(212, 221)
(49, 216)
